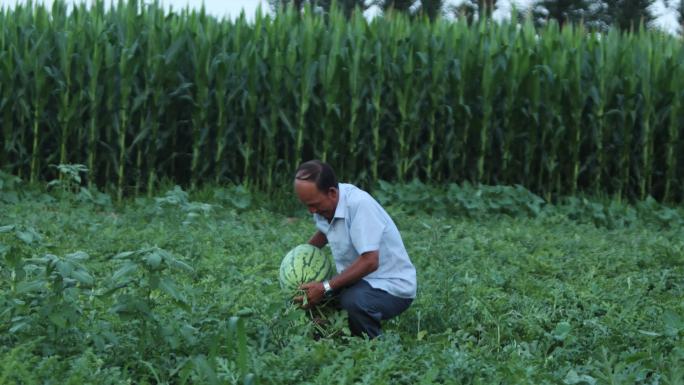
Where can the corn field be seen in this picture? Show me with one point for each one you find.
(140, 94)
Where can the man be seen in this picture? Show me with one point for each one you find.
(376, 279)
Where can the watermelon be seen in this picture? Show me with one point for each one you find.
(304, 263)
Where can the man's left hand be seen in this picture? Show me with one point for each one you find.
(314, 294)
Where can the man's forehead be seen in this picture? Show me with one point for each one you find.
(306, 188)
(305, 184)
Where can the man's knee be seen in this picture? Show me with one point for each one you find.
(352, 300)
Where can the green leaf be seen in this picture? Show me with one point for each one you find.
(18, 326)
(649, 333)
(237, 327)
(83, 277)
(188, 332)
(124, 272)
(177, 264)
(30, 286)
(153, 260)
(65, 268)
(673, 323)
(204, 370)
(152, 370)
(561, 331)
(128, 305)
(79, 256)
(573, 378)
(124, 254)
(168, 287)
(250, 379)
(29, 236)
(58, 319)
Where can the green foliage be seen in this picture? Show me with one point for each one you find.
(140, 95)
(466, 199)
(70, 178)
(512, 289)
(238, 196)
(9, 188)
(179, 198)
(516, 201)
(43, 302)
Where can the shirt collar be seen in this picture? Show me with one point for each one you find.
(341, 209)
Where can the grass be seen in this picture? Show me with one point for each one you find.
(512, 300)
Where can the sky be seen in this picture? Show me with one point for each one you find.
(232, 8)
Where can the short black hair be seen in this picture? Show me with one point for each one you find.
(318, 172)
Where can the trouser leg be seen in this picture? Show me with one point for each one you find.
(367, 306)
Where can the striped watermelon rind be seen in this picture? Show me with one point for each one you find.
(304, 263)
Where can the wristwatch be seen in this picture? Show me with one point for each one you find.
(327, 289)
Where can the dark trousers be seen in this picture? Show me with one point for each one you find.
(367, 306)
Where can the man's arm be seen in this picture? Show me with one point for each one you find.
(365, 264)
(319, 240)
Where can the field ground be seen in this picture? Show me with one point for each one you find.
(184, 289)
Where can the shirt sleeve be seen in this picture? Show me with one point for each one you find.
(367, 226)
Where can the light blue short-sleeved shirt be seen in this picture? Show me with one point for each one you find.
(360, 225)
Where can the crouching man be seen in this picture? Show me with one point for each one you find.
(376, 279)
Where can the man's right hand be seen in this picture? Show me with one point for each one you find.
(314, 295)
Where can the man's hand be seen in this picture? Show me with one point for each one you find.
(314, 294)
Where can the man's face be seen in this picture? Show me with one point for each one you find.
(318, 202)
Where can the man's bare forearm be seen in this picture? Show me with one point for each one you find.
(365, 264)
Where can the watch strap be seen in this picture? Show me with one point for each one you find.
(327, 289)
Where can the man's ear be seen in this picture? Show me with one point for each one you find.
(332, 192)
